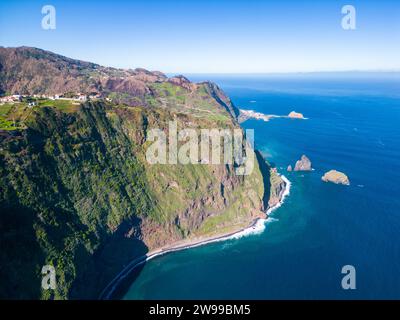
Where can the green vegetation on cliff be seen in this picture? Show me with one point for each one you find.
(76, 190)
(79, 181)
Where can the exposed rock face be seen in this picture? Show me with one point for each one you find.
(148, 76)
(295, 115)
(304, 164)
(336, 177)
(289, 168)
(183, 82)
(277, 188)
(105, 201)
(274, 185)
(222, 98)
(26, 70)
(76, 189)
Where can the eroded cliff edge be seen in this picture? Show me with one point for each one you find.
(76, 190)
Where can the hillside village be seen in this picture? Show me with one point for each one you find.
(16, 109)
(77, 97)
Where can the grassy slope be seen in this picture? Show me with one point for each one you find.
(77, 193)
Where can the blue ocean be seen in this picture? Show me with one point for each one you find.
(353, 126)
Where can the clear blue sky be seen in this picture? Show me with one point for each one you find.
(212, 36)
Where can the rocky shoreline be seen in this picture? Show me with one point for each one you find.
(251, 114)
(255, 227)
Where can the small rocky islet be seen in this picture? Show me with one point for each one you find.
(336, 177)
(296, 115)
(333, 176)
(304, 164)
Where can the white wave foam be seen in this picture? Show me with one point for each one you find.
(259, 225)
(257, 228)
(284, 195)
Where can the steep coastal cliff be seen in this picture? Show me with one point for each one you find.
(76, 190)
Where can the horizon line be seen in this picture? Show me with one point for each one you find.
(286, 72)
(392, 71)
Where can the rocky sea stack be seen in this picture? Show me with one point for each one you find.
(304, 164)
(336, 177)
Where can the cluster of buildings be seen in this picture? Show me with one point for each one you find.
(75, 97)
(78, 97)
(13, 98)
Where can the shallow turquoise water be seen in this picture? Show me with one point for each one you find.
(353, 127)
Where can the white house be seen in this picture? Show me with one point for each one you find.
(11, 98)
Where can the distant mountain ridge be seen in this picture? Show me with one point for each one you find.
(29, 71)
